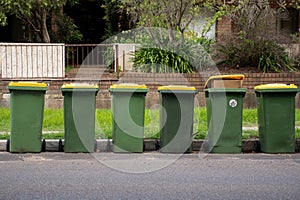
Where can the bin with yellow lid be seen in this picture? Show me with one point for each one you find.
(26, 114)
(276, 117)
(176, 118)
(224, 115)
(128, 108)
(79, 117)
(225, 81)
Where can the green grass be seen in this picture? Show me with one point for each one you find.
(297, 118)
(68, 69)
(54, 121)
(4, 136)
(297, 133)
(152, 122)
(103, 123)
(200, 123)
(250, 134)
(4, 120)
(59, 135)
(249, 117)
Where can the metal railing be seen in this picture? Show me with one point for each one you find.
(40, 60)
(31, 60)
(114, 56)
(88, 54)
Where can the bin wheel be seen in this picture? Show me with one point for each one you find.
(60, 146)
(7, 145)
(257, 147)
(205, 147)
(95, 146)
(157, 144)
(143, 146)
(44, 145)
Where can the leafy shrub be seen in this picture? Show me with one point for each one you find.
(296, 60)
(267, 56)
(160, 61)
(186, 58)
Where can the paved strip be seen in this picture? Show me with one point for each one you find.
(149, 176)
(44, 132)
(246, 128)
(105, 145)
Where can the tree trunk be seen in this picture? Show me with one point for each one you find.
(44, 31)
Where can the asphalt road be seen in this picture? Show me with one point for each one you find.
(149, 176)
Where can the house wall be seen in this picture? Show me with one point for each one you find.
(225, 26)
(299, 24)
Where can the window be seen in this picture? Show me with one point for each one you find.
(288, 23)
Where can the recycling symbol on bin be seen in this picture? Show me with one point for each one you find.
(233, 103)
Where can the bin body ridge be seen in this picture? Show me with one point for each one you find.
(26, 115)
(128, 122)
(128, 109)
(176, 118)
(79, 119)
(276, 119)
(176, 122)
(224, 119)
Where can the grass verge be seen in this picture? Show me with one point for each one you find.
(54, 121)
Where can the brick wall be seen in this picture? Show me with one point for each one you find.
(54, 97)
(224, 28)
(198, 81)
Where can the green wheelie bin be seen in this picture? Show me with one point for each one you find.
(128, 109)
(276, 117)
(26, 114)
(79, 117)
(224, 106)
(176, 118)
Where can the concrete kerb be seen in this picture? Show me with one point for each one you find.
(105, 145)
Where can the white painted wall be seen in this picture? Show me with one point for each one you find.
(125, 54)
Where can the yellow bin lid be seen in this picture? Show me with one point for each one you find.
(177, 87)
(274, 86)
(27, 84)
(79, 85)
(225, 77)
(128, 86)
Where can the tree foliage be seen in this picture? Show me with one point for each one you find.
(67, 31)
(33, 13)
(294, 3)
(172, 15)
(115, 17)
